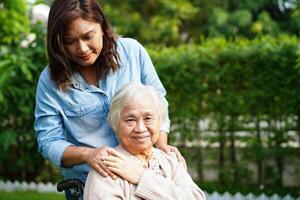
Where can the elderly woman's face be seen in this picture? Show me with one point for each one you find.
(83, 41)
(139, 126)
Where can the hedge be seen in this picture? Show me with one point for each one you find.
(236, 85)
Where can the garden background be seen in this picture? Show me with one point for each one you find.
(231, 69)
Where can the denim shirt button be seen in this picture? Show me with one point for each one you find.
(76, 84)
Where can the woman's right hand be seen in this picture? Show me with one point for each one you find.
(95, 159)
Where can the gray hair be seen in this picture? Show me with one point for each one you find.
(130, 92)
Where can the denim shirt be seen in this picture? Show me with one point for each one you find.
(78, 116)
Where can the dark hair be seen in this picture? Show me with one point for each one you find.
(62, 12)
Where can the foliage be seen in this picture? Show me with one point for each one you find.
(21, 61)
(174, 22)
(150, 21)
(13, 24)
(235, 83)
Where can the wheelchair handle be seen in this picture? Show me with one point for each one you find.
(70, 184)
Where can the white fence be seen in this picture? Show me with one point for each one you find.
(50, 187)
(238, 196)
(24, 186)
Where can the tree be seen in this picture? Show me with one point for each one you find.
(22, 56)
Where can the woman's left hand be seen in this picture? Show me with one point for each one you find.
(171, 149)
(125, 167)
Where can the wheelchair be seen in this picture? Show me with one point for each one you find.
(73, 186)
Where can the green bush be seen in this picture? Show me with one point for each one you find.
(232, 83)
(236, 85)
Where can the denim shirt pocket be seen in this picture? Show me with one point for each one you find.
(79, 110)
(84, 118)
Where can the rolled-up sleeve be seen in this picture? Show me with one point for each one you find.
(48, 123)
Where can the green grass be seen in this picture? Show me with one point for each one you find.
(30, 195)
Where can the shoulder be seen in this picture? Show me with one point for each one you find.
(129, 42)
(166, 158)
(170, 163)
(45, 74)
(128, 45)
(95, 178)
(45, 80)
(129, 48)
(113, 187)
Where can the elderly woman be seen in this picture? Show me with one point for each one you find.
(144, 171)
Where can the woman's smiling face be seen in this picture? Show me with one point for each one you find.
(83, 41)
(139, 126)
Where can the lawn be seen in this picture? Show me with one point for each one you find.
(30, 195)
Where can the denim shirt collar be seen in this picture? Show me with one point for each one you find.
(78, 82)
